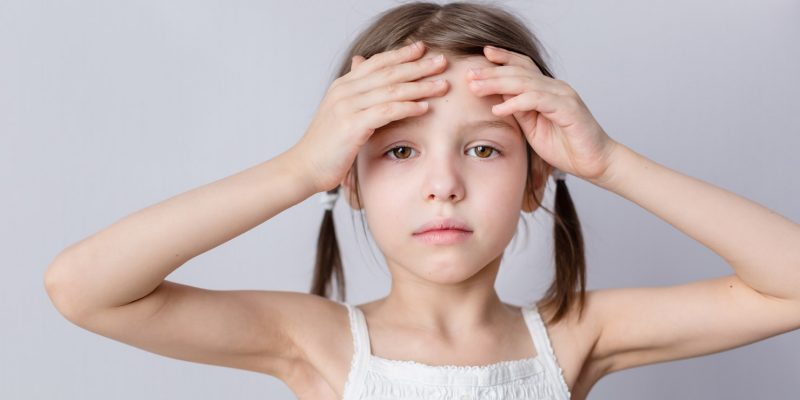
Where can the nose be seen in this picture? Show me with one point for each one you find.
(443, 181)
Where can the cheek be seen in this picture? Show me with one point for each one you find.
(382, 194)
(377, 184)
(501, 196)
(500, 203)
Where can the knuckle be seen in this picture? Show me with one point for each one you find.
(385, 108)
(342, 80)
(335, 90)
(573, 102)
(573, 92)
(565, 87)
(535, 94)
(392, 89)
(389, 74)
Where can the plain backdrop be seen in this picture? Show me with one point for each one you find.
(107, 107)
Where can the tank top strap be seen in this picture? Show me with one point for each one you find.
(361, 351)
(544, 349)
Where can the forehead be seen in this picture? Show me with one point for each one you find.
(459, 107)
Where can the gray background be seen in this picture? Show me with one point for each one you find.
(109, 106)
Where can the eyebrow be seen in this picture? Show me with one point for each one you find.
(465, 126)
(489, 123)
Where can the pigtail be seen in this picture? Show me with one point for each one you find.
(328, 261)
(568, 253)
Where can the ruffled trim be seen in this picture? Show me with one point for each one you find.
(561, 379)
(378, 386)
(458, 368)
(355, 362)
(551, 353)
(464, 375)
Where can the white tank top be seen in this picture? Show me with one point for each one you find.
(376, 378)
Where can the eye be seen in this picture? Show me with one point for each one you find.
(392, 151)
(483, 152)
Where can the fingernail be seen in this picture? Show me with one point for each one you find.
(475, 72)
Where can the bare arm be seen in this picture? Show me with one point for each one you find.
(113, 283)
(130, 258)
(648, 325)
(761, 246)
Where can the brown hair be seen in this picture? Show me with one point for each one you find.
(462, 29)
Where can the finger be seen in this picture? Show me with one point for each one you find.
(492, 72)
(405, 72)
(356, 61)
(511, 85)
(502, 56)
(545, 103)
(514, 84)
(403, 91)
(513, 70)
(391, 57)
(382, 114)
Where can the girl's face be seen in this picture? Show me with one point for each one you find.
(452, 164)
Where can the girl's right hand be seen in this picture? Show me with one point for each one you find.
(374, 93)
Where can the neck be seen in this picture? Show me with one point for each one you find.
(445, 309)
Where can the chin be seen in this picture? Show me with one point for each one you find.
(448, 273)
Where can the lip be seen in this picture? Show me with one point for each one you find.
(443, 225)
(443, 236)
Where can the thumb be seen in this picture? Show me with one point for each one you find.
(355, 61)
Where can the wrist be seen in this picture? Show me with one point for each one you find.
(621, 160)
(301, 173)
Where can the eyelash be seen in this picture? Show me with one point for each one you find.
(495, 150)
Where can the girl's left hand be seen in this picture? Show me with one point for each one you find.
(554, 119)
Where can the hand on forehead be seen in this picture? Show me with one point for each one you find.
(458, 67)
(459, 101)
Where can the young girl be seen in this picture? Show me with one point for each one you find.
(442, 183)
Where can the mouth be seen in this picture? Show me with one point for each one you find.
(443, 224)
(443, 236)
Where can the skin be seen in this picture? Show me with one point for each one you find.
(445, 290)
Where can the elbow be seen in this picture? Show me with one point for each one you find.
(56, 284)
(53, 270)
